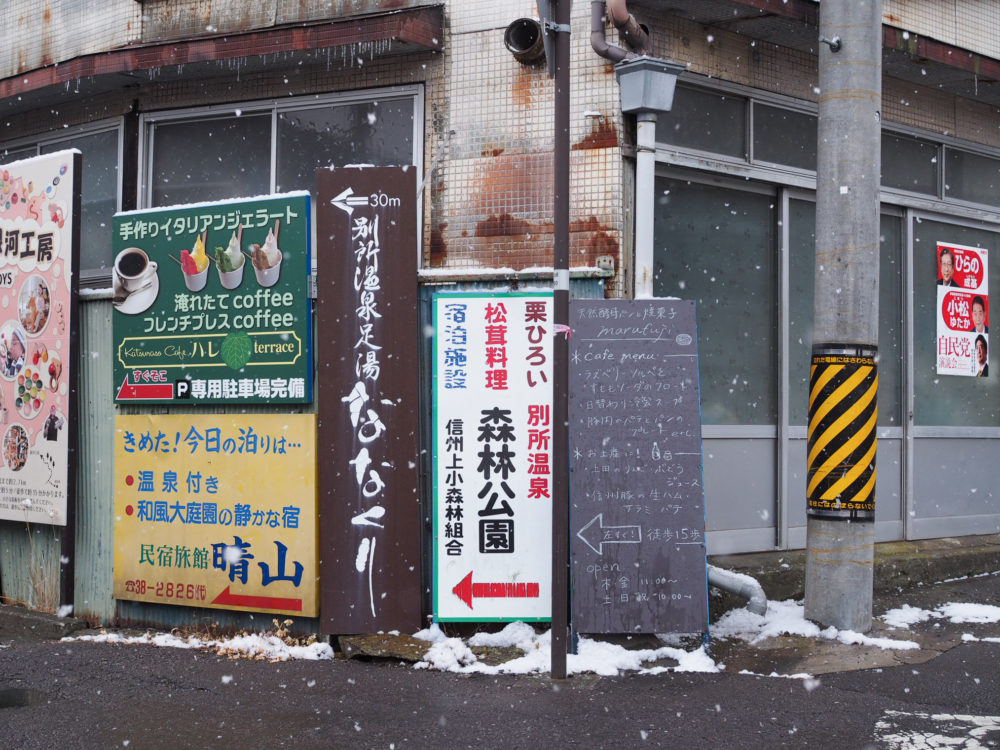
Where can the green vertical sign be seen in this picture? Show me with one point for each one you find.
(211, 302)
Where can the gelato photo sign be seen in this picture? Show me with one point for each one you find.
(211, 302)
(39, 236)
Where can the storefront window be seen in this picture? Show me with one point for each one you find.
(378, 132)
(99, 194)
(211, 159)
(717, 246)
(783, 136)
(99, 199)
(801, 273)
(909, 164)
(972, 177)
(949, 400)
(275, 146)
(705, 121)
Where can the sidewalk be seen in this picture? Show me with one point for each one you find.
(919, 574)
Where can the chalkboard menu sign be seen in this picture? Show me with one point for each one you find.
(637, 502)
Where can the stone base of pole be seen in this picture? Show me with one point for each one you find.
(840, 563)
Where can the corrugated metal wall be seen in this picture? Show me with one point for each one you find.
(95, 500)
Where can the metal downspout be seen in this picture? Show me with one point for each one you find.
(645, 187)
(740, 584)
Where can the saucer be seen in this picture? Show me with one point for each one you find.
(139, 301)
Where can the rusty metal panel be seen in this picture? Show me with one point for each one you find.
(367, 333)
(40, 33)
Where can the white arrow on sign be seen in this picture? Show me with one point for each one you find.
(347, 200)
(608, 534)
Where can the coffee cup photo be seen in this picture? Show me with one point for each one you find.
(134, 268)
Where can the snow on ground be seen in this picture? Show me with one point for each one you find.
(250, 645)
(595, 656)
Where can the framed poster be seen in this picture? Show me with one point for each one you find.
(492, 456)
(39, 240)
(211, 302)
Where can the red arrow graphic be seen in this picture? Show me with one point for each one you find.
(466, 590)
(145, 391)
(227, 599)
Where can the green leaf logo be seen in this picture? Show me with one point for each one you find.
(236, 348)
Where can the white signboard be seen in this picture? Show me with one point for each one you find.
(963, 308)
(493, 456)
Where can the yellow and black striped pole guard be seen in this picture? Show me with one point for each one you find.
(843, 410)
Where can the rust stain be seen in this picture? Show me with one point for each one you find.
(439, 248)
(590, 224)
(521, 88)
(492, 152)
(603, 134)
(503, 225)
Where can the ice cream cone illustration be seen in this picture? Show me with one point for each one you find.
(230, 263)
(194, 264)
(266, 259)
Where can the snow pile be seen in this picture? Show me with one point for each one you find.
(263, 646)
(595, 656)
(956, 612)
(788, 618)
(599, 657)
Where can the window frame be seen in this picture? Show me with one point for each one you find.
(88, 276)
(751, 168)
(274, 106)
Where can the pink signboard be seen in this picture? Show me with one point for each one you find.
(39, 201)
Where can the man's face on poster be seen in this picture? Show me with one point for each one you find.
(947, 266)
(978, 315)
(981, 352)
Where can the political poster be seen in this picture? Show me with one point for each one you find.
(963, 310)
(493, 456)
(39, 240)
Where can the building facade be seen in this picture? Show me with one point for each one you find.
(172, 103)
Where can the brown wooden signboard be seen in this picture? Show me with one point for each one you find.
(370, 520)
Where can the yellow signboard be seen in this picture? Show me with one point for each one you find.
(217, 510)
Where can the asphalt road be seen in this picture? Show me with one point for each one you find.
(78, 694)
(89, 695)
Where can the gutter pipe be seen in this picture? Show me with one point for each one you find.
(740, 584)
(598, 40)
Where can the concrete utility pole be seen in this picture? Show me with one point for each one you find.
(844, 379)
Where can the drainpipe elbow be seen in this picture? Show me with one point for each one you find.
(598, 40)
(631, 32)
(742, 585)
